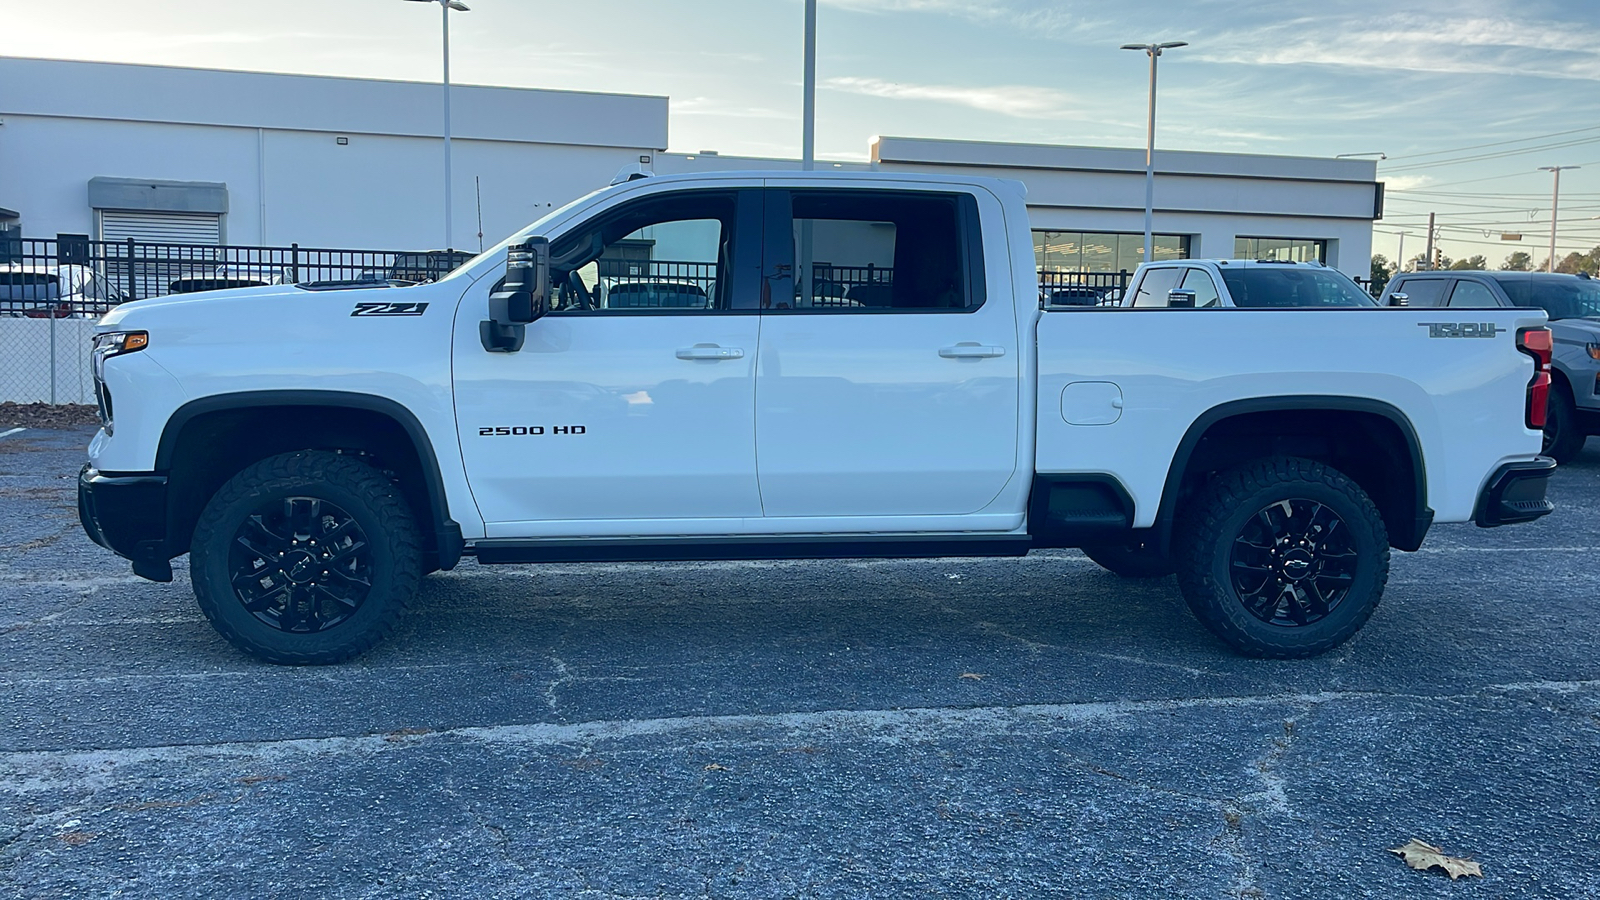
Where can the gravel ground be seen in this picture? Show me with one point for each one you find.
(45, 415)
(984, 728)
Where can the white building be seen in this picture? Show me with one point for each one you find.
(243, 158)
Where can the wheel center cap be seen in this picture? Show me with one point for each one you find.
(1296, 564)
(300, 567)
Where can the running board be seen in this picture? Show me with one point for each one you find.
(494, 552)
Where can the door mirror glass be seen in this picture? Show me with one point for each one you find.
(1180, 298)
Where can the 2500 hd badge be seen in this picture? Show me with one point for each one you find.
(534, 430)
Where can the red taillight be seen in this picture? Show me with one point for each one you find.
(1537, 343)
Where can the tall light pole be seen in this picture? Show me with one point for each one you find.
(1555, 200)
(1150, 141)
(444, 7)
(808, 103)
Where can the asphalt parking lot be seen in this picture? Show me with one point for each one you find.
(993, 728)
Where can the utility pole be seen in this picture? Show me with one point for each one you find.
(1427, 255)
(445, 6)
(808, 113)
(1555, 201)
(1154, 50)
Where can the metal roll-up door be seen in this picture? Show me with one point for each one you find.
(167, 246)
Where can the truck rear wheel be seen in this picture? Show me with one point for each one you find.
(1131, 559)
(1282, 558)
(306, 558)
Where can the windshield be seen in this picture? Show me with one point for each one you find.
(1562, 298)
(29, 286)
(1290, 287)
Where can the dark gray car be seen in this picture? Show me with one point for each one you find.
(1573, 302)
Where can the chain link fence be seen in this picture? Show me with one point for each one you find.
(53, 291)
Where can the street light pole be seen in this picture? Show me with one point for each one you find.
(444, 9)
(1555, 200)
(808, 112)
(1154, 50)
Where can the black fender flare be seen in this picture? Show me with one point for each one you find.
(447, 533)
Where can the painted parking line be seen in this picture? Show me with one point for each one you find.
(11, 432)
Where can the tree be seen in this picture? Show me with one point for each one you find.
(1520, 261)
(1471, 262)
(1382, 271)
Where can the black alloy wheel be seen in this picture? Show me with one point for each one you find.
(301, 564)
(1293, 563)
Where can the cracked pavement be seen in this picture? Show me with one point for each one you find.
(985, 728)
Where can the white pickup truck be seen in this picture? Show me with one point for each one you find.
(790, 365)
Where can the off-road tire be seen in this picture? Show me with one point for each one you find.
(1131, 559)
(1563, 437)
(1212, 522)
(354, 488)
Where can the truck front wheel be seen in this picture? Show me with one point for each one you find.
(1282, 558)
(305, 558)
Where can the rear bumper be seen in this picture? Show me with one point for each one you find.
(127, 514)
(1516, 494)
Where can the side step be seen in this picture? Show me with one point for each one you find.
(493, 552)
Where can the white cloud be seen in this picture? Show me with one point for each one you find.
(1405, 182)
(1021, 101)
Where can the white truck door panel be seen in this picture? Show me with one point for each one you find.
(879, 396)
(634, 398)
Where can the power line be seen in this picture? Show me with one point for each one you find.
(1487, 156)
(1534, 137)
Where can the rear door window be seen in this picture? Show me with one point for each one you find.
(1472, 295)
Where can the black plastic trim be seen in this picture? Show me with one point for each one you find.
(127, 514)
(1422, 517)
(1515, 494)
(1078, 520)
(711, 549)
(447, 532)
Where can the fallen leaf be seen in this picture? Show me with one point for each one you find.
(77, 838)
(395, 737)
(257, 779)
(716, 767)
(1426, 856)
(974, 676)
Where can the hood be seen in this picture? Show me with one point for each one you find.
(1578, 330)
(172, 302)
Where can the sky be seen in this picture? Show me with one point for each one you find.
(1467, 98)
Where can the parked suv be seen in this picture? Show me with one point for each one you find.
(1573, 302)
(1243, 283)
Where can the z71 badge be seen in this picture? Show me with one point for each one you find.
(1461, 329)
(390, 309)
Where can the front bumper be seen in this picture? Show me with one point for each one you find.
(127, 514)
(1516, 493)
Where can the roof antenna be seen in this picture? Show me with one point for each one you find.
(477, 188)
(631, 172)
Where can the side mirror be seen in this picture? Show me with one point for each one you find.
(523, 298)
(1180, 298)
(1398, 299)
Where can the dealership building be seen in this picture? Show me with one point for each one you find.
(194, 156)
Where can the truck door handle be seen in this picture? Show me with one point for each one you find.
(966, 350)
(710, 351)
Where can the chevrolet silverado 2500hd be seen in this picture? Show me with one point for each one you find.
(781, 365)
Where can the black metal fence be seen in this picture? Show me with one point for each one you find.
(1082, 288)
(67, 276)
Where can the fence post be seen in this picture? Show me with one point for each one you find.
(294, 263)
(53, 312)
(133, 294)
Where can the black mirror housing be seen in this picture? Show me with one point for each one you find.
(1398, 299)
(1180, 298)
(524, 296)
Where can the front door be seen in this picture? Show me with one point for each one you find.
(631, 402)
(888, 383)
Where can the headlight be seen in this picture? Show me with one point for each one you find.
(113, 343)
(1594, 351)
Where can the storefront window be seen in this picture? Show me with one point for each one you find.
(1292, 249)
(1101, 251)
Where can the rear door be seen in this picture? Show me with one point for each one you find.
(888, 380)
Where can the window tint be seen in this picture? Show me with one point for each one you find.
(1205, 290)
(866, 251)
(659, 253)
(1561, 297)
(1423, 291)
(1473, 295)
(1155, 284)
(1292, 287)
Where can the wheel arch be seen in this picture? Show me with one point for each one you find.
(1400, 490)
(208, 440)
